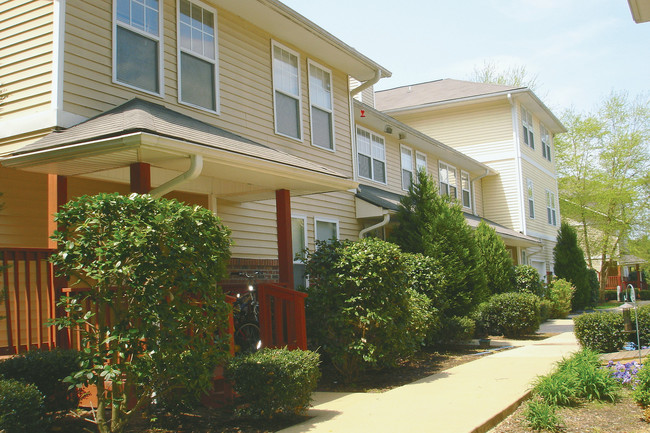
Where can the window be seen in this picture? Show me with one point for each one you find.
(465, 189)
(527, 124)
(286, 92)
(407, 167)
(299, 243)
(326, 229)
(371, 156)
(531, 199)
(320, 99)
(546, 142)
(197, 55)
(447, 177)
(420, 162)
(136, 44)
(550, 208)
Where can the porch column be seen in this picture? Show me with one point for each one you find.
(140, 177)
(285, 247)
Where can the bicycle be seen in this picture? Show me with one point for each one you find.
(246, 316)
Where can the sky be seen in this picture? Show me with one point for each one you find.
(579, 51)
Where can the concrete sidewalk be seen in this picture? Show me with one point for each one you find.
(471, 397)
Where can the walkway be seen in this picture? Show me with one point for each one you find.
(471, 397)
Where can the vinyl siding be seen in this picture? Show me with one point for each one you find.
(541, 183)
(535, 154)
(501, 201)
(26, 56)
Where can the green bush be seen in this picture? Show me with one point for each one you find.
(559, 389)
(510, 314)
(544, 310)
(274, 382)
(495, 260)
(527, 279)
(46, 370)
(542, 416)
(570, 265)
(641, 393)
(359, 311)
(455, 329)
(424, 276)
(21, 408)
(600, 331)
(560, 293)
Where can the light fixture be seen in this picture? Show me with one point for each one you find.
(388, 129)
(402, 135)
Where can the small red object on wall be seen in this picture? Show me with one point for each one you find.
(363, 113)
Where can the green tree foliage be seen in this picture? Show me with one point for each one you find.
(152, 267)
(527, 279)
(570, 265)
(495, 260)
(435, 226)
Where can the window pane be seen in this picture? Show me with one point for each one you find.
(137, 60)
(319, 86)
(379, 170)
(137, 15)
(322, 128)
(152, 21)
(531, 208)
(466, 198)
(298, 241)
(285, 71)
(364, 166)
(198, 82)
(325, 230)
(406, 178)
(363, 142)
(421, 162)
(299, 277)
(452, 192)
(124, 11)
(378, 148)
(287, 115)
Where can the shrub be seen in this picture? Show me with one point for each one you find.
(510, 314)
(560, 293)
(544, 310)
(527, 280)
(600, 331)
(359, 312)
(641, 393)
(557, 389)
(570, 265)
(495, 260)
(542, 416)
(424, 276)
(274, 382)
(46, 370)
(456, 329)
(21, 407)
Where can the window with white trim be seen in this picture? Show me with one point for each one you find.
(550, 208)
(447, 180)
(546, 142)
(326, 229)
(286, 91)
(197, 54)
(299, 244)
(527, 125)
(531, 199)
(420, 162)
(407, 166)
(320, 99)
(137, 52)
(465, 189)
(371, 156)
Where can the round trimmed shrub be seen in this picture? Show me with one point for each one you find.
(21, 407)
(560, 294)
(527, 280)
(510, 314)
(601, 331)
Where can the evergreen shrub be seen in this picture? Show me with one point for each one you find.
(456, 329)
(527, 279)
(21, 407)
(600, 331)
(495, 260)
(560, 294)
(510, 314)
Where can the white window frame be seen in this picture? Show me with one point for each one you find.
(371, 156)
(275, 89)
(304, 226)
(159, 39)
(419, 156)
(531, 198)
(463, 173)
(214, 62)
(310, 64)
(403, 148)
(528, 130)
(551, 212)
(546, 142)
(448, 168)
(325, 220)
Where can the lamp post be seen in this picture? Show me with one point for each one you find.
(627, 320)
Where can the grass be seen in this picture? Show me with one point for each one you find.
(607, 305)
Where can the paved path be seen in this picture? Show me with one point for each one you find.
(471, 397)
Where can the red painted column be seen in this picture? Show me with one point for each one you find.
(285, 255)
(140, 177)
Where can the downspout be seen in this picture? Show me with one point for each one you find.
(385, 221)
(520, 176)
(366, 84)
(487, 171)
(196, 166)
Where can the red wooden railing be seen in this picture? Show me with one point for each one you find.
(29, 300)
(617, 280)
(282, 317)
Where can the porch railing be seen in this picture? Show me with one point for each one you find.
(617, 280)
(282, 317)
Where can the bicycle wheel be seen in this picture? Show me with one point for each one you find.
(247, 338)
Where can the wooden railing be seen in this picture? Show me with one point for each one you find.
(282, 317)
(617, 280)
(29, 300)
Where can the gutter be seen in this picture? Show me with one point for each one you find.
(384, 222)
(196, 166)
(366, 84)
(487, 172)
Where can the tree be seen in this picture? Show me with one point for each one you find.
(495, 260)
(151, 313)
(603, 165)
(435, 226)
(516, 76)
(571, 266)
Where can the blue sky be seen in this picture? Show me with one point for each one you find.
(580, 50)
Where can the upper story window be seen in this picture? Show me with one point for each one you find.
(550, 208)
(197, 54)
(420, 162)
(371, 156)
(137, 44)
(527, 124)
(546, 142)
(465, 189)
(407, 167)
(531, 199)
(286, 91)
(447, 178)
(320, 99)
